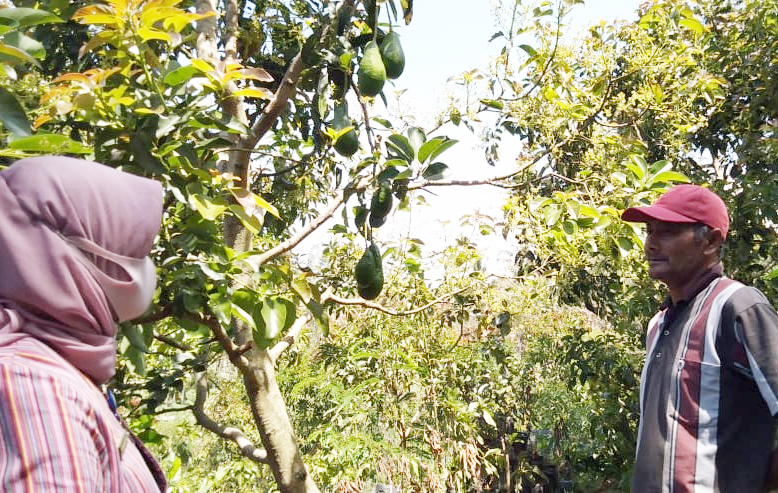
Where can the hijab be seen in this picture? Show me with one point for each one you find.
(75, 237)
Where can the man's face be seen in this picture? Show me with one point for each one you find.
(674, 255)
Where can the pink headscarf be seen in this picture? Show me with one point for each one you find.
(74, 242)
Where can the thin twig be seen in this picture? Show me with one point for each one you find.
(329, 296)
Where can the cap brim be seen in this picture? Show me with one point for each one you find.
(654, 212)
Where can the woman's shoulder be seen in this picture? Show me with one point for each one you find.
(29, 361)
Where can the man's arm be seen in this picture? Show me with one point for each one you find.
(758, 327)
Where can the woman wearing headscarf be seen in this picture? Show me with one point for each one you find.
(74, 243)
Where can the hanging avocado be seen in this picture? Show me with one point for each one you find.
(380, 205)
(392, 55)
(372, 74)
(348, 143)
(369, 273)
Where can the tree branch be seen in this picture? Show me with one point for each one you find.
(550, 58)
(330, 211)
(151, 318)
(291, 336)
(171, 342)
(246, 447)
(274, 108)
(493, 181)
(234, 352)
(329, 296)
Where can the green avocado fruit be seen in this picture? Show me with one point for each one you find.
(372, 73)
(369, 273)
(348, 143)
(392, 55)
(380, 205)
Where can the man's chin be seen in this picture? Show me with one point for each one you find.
(656, 273)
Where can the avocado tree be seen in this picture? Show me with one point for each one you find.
(256, 117)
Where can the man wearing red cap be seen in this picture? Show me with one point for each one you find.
(709, 387)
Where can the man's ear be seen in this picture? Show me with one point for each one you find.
(715, 239)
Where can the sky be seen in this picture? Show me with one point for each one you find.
(448, 37)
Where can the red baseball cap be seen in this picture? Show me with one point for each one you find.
(684, 204)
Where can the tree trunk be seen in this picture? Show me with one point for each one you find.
(278, 437)
(267, 403)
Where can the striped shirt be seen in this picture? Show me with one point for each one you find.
(708, 394)
(57, 432)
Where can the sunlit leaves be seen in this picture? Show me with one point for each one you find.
(48, 144)
(121, 21)
(210, 209)
(223, 74)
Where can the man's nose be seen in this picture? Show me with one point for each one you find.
(648, 244)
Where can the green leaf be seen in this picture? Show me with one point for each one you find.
(320, 316)
(209, 209)
(603, 223)
(529, 50)
(148, 34)
(248, 304)
(400, 145)
(660, 166)
(670, 177)
(435, 171)
(769, 276)
(434, 147)
(588, 211)
(135, 335)
(539, 202)
(488, 418)
(244, 315)
(569, 228)
(303, 289)
(637, 164)
(277, 315)
(387, 175)
(625, 245)
(11, 55)
(393, 163)
(181, 75)
(692, 24)
(619, 177)
(25, 43)
(12, 114)
(551, 214)
(22, 17)
(493, 103)
(137, 360)
(49, 143)
(219, 306)
(416, 137)
(252, 223)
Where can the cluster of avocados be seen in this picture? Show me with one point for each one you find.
(380, 62)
